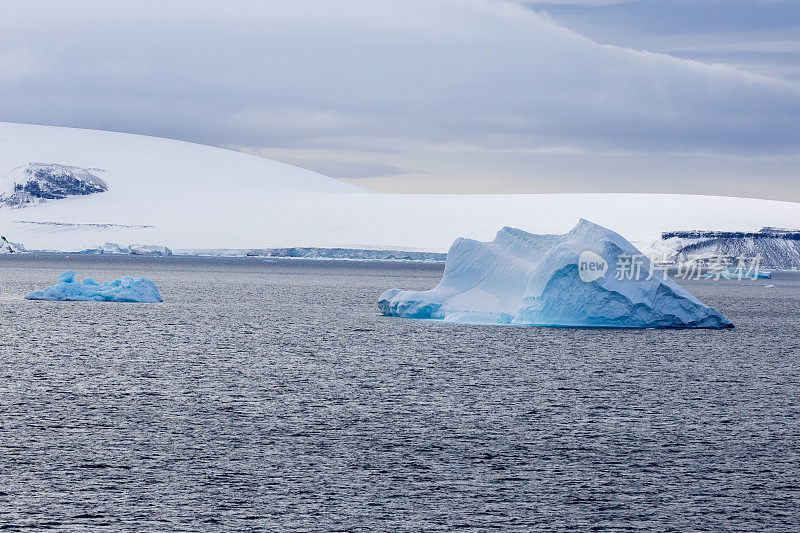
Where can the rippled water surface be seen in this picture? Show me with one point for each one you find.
(272, 396)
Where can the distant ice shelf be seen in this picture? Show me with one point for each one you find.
(353, 254)
(553, 280)
(124, 289)
(133, 249)
(335, 254)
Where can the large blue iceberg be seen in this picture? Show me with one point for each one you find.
(124, 289)
(590, 277)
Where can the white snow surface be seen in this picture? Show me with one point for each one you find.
(522, 278)
(190, 196)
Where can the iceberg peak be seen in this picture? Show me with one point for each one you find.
(67, 276)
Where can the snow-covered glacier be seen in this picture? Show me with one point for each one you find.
(124, 289)
(590, 277)
(200, 198)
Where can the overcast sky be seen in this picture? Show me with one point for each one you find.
(695, 96)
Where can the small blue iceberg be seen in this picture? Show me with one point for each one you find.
(123, 289)
(739, 273)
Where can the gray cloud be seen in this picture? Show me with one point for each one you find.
(756, 35)
(17, 64)
(424, 81)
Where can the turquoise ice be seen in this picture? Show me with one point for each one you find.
(124, 289)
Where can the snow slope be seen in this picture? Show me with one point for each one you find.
(190, 196)
(523, 278)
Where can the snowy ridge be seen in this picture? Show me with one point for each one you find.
(531, 279)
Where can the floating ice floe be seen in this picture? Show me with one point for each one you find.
(123, 289)
(739, 273)
(149, 249)
(590, 277)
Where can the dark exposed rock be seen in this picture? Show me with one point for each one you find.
(35, 183)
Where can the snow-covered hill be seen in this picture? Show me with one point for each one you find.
(190, 196)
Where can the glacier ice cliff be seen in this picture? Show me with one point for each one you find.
(133, 249)
(123, 289)
(554, 280)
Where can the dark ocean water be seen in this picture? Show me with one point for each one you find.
(272, 396)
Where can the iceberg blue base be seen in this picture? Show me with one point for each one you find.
(123, 289)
